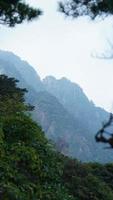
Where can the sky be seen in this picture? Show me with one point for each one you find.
(63, 47)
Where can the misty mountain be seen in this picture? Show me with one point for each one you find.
(12, 65)
(72, 97)
(65, 113)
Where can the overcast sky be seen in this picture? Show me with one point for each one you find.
(58, 46)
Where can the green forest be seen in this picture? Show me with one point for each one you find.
(30, 166)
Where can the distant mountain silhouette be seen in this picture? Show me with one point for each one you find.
(62, 109)
(72, 97)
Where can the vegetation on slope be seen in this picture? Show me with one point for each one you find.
(31, 169)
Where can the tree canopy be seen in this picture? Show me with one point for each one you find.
(14, 12)
(11, 97)
(92, 8)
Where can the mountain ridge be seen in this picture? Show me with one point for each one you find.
(62, 109)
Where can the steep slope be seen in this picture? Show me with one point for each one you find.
(64, 112)
(31, 168)
(67, 133)
(12, 65)
(88, 117)
(57, 123)
(72, 97)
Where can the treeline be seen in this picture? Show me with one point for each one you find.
(31, 168)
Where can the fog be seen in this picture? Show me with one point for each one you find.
(58, 46)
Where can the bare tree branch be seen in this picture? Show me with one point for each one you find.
(99, 137)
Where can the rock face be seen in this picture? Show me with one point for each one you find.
(72, 97)
(62, 109)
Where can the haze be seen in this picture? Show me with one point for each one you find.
(57, 46)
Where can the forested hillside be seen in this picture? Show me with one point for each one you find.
(65, 113)
(30, 166)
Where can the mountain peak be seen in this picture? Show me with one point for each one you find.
(13, 65)
(61, 107)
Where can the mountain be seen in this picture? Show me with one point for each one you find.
(72, 97)
(31, 168)
(65, 113)
(13, 66)
(87, 116)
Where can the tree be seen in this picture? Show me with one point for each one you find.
(101, 137)
(29, 166)
(84, 182)
(14, 12)
(11, 97)
(92, 8)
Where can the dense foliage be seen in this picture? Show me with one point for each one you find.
(14, 12)
(31, 169)
(92, 8)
